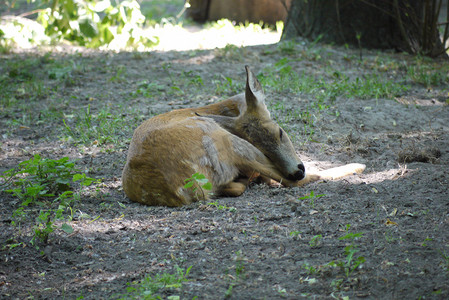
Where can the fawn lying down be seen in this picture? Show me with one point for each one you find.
(229, 142)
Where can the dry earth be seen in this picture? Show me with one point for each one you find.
(271, 242)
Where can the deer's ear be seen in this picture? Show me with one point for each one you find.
(254, 95)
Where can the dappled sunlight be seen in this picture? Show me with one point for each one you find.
(180, 38)
(23, 33)
(314, 166)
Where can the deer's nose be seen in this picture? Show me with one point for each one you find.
(298, 175)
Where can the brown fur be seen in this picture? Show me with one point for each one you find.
(228, 142)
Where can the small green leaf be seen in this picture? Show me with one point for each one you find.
(189, 184)
(88, 28)
(207, 186)
(67, 228)
(199, 176)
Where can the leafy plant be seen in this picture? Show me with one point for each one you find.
(315, 241)
(226, 85)
(200, 181)
(311, 270)
(222, 207)
(311, 197)
(94, 23)
(427, 73)
(149, 287)
(48, 185)
(295, 233)
(350, 263)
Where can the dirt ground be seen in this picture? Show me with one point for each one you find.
(270, 243)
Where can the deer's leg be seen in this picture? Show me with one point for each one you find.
(234, 188)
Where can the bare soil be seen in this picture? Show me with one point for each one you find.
(270, 243)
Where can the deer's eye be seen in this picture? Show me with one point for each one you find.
(280, 133)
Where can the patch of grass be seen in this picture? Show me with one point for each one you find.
(428, 73)
(151, 287)
(288, 117)
(149, 89)
(231, 52)
(47, 185)
(99, 128)
(225, 85)
(311, 270)
(282, 77)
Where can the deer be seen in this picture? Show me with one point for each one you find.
(231, 143)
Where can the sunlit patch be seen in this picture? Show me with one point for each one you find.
(23, 33)
(180, 38)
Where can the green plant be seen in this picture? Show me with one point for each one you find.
(311, 197)
(95, 23)
(427, 73)
(311, 270)
(149, 287)
(350, 263)
(315, 241)
(223, 207)
(239, 265)
(101, 128)
(295, 233)
(239, 269)
(200, 181)
(445, 261)
(282, 77)
(45, 184)
(149, 89)
(226, 85)
(192, 78)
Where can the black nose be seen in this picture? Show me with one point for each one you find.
(298, 175)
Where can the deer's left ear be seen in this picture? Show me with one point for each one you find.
(255, 98)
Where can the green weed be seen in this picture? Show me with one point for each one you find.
(428, 74)
(231, 52)
(239, 269)
(311, 197)
(150, 287)
(350, 263)
(315, 241)
(282, 77)
(295, 233)
(222, 207)
(311, 270)
(445, 261)
(48, 185)
(198, 181)
(286, 118)
(119, 74)
(101, 128)
(288, 47)
(149, 89)
(225, 86)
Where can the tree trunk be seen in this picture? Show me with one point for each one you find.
(405, 25)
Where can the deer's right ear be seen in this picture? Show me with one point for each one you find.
(254, 93)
